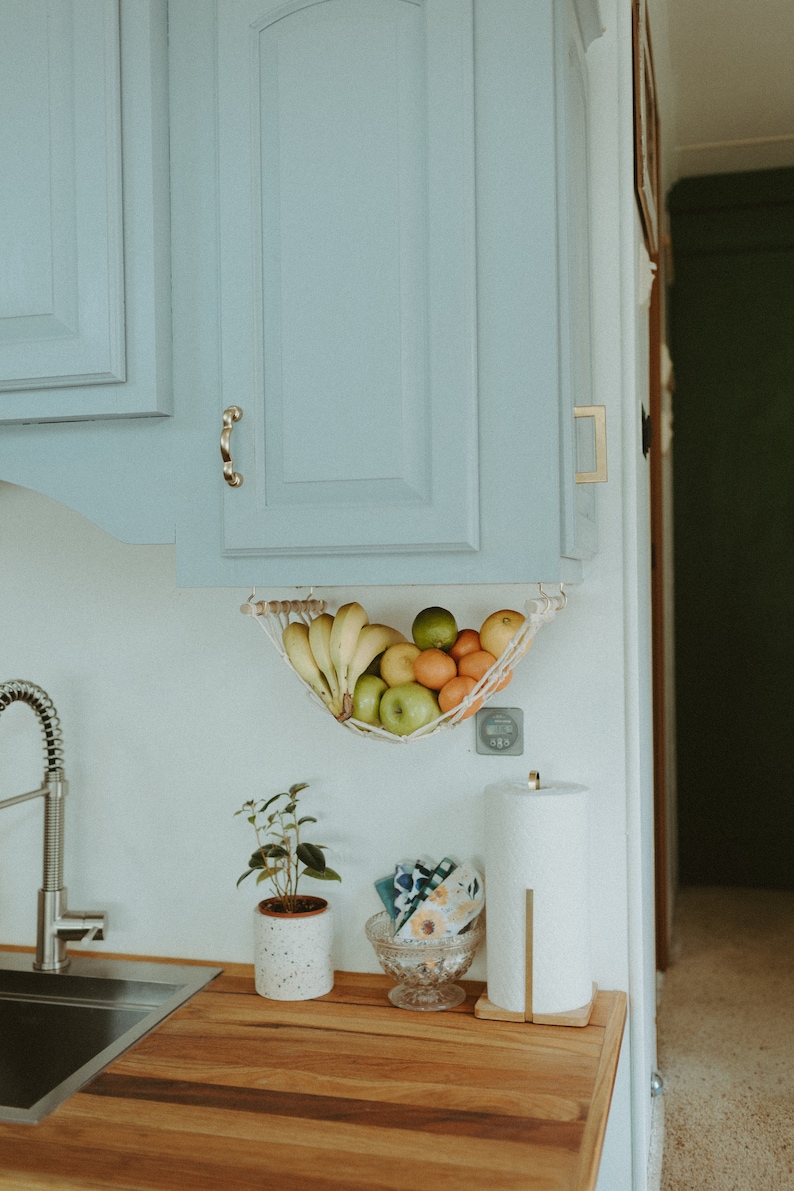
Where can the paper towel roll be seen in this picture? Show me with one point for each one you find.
(538, 839)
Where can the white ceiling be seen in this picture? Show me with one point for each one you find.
(732, 68)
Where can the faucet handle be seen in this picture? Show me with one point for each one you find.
(81, 925)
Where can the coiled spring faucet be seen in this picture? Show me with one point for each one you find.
(56, 924)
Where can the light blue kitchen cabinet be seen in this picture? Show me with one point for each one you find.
(84, 210)
(381, 257)
(379, 251)
(85, 260)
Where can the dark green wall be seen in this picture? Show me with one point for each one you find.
(732, 343)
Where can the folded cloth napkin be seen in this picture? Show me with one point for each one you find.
(384, 887)
(448, 908)
(410, 877)
(434, 879)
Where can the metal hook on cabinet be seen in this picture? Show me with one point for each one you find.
(546, 598)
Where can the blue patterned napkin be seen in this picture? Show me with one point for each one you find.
(430, 882)
(410, 879)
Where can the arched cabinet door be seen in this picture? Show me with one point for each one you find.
(346, 219)
(367, 245)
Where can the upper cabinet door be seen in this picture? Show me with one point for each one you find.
(380, 221)
(62, 295)
(347, 283)
(83, 96)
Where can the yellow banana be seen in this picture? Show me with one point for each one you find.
(372, 640)
(348, 623)
(320, 645)
(296, 644)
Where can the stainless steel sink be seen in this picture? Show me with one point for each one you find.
(60, 1029)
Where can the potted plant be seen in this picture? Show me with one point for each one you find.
(292, 932)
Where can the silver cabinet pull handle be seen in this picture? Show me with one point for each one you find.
(230, 416)
(599, 415)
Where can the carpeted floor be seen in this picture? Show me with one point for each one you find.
(726, 1042)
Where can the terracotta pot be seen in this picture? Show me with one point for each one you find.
(292, 952)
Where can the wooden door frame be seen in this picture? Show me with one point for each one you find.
(661, 842)
(648, 189)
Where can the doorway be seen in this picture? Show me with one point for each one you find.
(732, 339)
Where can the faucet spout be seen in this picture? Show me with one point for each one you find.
(19, 691)
(56, 924)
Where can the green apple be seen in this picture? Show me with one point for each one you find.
(434, 628)
(406, 707)
(366, 699)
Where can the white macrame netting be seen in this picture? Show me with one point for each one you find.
(273, 616)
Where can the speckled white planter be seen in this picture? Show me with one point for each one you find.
(292, 954)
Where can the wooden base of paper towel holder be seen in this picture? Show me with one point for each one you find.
(574, 1017)
(490, 1012)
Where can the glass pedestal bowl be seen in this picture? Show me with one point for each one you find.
(426, 971)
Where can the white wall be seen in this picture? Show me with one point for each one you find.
(735, 88)
(175, 709)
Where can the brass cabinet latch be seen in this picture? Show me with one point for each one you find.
(599, 415)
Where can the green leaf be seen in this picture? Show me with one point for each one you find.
(311, 856)
(263, 877)
(327, 874)
(296, 789)
(275, 797)
(273, 851)
(246, 874)
(306, 819)
(289, 809)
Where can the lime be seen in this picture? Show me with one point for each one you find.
(434, 628)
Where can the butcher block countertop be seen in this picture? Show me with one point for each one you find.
(344, 1093)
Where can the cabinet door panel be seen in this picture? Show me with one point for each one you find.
(579, 530)
(62, 288)
(347, 274)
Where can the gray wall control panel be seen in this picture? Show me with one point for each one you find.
(500, 731)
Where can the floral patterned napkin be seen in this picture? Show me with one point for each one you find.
(447, 908)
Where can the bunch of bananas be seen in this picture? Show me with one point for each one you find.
(333, 652)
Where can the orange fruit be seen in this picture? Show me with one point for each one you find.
(474, 665)
(467, 642)
(455, 691)
(506, 680)
(434, 668)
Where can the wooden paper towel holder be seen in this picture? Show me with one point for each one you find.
(486, 1009)
(490, 1012)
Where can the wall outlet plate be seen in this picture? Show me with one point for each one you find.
(500, 731)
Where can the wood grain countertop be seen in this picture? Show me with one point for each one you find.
(344, 1093)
